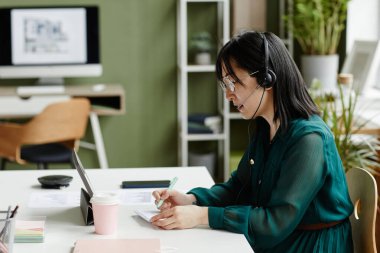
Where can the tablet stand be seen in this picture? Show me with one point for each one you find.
(86, 207)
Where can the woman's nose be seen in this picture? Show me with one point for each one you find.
(229, 94)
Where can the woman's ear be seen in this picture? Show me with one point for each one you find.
(268, 88)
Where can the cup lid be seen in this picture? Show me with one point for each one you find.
(105, 199)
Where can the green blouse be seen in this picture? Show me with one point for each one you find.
(296, 179)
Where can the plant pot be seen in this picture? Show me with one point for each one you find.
(203, 58)
(321, 67)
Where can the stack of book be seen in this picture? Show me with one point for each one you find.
(29, 231)
(204, 124)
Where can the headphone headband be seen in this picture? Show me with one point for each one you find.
(268, 77)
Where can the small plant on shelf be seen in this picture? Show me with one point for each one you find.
(200, 45)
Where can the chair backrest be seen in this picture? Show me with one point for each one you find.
(363, 192)
(58, 122)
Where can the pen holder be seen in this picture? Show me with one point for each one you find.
(86, 207)
(6, 235)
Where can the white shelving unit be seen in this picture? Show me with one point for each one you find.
(184, 69)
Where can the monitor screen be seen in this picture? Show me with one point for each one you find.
(49, 42)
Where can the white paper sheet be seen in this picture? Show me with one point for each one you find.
(54, 199)
(72, 199)
(146, 214)
(136, 197)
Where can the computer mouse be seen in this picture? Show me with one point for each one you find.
(98, 87)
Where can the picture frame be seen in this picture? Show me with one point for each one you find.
(364, 63)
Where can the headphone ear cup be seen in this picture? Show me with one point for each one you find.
(266, 80)
(271, 78)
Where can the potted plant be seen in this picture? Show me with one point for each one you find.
(200, 46)
(340, 115)
(317, 26)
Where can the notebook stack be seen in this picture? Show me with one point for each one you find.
(204, 123)
(29, 231)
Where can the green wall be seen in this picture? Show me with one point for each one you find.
(138, 50)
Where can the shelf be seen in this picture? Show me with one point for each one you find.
(184, 68)
(205, 137)
(225, 108)
(108, 101)
(199, 68)
(235, 115)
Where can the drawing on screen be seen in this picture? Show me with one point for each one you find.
(44, 36)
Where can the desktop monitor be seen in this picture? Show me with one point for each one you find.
(49, 43)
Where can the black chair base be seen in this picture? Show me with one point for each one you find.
(3, 163)
(44, 154)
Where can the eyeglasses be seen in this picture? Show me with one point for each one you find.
(227, 82)
(230, 84)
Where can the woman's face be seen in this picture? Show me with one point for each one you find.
(245, 97)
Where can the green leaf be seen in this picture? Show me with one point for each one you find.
(317, 24)
(340, 117)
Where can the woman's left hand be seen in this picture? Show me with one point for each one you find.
(180, 217)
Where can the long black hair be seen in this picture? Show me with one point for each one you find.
(290, 96)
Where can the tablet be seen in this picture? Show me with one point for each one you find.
(146, 184)
(82, 173)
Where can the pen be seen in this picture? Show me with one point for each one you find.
(172, 183)
(14, 212)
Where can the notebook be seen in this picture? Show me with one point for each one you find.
(147, 214)
(117, 246)
(30, 230)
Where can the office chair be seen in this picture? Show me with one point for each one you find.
(363, 192)
(49, 137)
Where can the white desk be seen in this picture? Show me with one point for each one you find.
(368, 110)
(65, 225)
(108, 101)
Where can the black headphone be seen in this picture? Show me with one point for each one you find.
(268, 78)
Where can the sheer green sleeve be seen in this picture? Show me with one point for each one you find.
(220, 194)
(302, 175)
(223, 194)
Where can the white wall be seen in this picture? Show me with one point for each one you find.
(363, 21)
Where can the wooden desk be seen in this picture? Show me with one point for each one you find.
(64, 225)
(108, 101)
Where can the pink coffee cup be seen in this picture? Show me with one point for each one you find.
(105, 209)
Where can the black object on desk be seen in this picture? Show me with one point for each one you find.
(86, 207)
(55, 181)
(85, 197)
(146, 184)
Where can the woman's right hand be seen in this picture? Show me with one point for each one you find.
(172, 198)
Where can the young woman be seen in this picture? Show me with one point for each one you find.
(289, 192)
